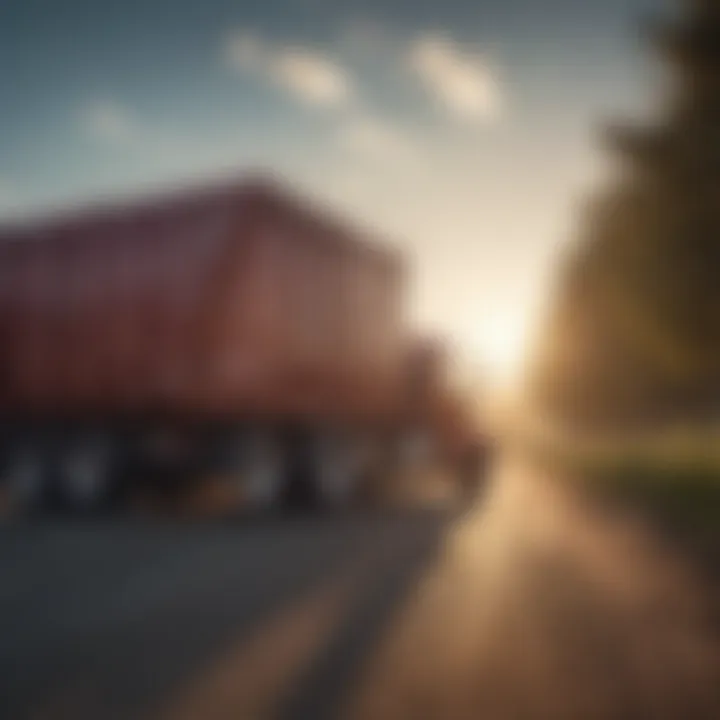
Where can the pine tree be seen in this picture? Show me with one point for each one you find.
(636, 333)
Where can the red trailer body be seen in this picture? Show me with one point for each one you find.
(234, 301)
(234, 329)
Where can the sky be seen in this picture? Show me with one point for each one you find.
(464, 131)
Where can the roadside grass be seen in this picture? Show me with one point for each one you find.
(671, 478)
(683, 499)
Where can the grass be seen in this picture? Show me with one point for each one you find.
(671, 478)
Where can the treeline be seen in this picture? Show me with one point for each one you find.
(635, 333)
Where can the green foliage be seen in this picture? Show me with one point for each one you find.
(670, 477)
(636, 332)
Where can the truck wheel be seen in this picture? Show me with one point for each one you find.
(416, 450)
(300, 487)
(263, 471)
(85, 478)
(341, 464)
(24, 475)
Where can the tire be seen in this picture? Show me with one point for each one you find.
(263, 471)
(341, 464)
(300, 491)
(417, 449)
(24, 475)
(85, 479)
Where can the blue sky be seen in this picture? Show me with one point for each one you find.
(462, 129)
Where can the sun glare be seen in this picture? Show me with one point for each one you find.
(503, 344)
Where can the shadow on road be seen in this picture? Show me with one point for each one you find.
(328, 682)
(110, 620)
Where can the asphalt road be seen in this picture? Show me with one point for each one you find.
(140, 619)
(532, 605)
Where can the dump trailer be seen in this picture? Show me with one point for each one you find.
(228, 330)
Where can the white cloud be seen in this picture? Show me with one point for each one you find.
(108, 121)
(307, 74)
(460, 81)
(312, 77)
(376, 139)
(245, 51)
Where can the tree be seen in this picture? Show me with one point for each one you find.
(636, 330)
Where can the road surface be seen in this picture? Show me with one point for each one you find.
(529, 605)
(122, 619)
